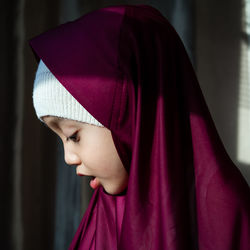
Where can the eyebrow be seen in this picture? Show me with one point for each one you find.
(53, 123)
(56, 123)
(56, 118)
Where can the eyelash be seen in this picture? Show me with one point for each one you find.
(73, 138)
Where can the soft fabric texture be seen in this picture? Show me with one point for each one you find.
(51, 98)
(128, 67)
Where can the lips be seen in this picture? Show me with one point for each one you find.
(79, 174)
(79, 171)
(94, 183)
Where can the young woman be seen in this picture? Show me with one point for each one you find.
(118, 88)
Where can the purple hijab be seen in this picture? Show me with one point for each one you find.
(128, 67)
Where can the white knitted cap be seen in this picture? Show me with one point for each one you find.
(51, 98)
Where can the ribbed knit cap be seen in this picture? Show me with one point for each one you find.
(51, 98)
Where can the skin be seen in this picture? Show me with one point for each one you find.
(91, 149)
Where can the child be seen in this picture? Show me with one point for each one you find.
(118, 88)
(52, 102)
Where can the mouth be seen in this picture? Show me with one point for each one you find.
(94, 183)
(79, 174)
(89, 176)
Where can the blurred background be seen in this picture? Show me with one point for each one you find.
(41, 199)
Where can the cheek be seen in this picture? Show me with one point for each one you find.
(99, 155)
(117, 181)
(112, 164)
(103, 160)
(95, 158)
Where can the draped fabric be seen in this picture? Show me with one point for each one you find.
(128, 67)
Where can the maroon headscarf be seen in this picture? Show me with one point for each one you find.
(128, 67)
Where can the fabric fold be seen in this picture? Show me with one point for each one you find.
(127, 66)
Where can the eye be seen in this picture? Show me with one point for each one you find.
(73, 137)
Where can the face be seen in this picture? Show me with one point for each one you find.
(91, 149)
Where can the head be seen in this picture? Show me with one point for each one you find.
(91, 149)
(88, 145)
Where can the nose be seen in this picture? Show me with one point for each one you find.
(70, 157)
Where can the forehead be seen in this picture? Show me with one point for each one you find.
(59, 121)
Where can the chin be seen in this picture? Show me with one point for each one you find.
(115, 190)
